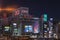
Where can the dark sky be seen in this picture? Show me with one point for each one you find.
(37, 7)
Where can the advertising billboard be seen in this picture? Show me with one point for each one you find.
(6, 28)
(28, 28)
(36, 27)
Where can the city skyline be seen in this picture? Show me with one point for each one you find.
(37, 7)
(29, 20)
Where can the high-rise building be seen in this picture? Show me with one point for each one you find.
(44, 26)
(21, 18)
(51, 28)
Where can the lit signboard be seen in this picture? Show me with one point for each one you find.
(28, 28)
(36, 27)
(16, 30)
(14, 24)
(51, 19)
(7, 28)
(17, 12)
(45, 17)
(24, 11)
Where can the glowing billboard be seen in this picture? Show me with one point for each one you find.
(36, 27)
(28, 28)
(7, 28)
(45, 17)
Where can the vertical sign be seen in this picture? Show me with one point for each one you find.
(36, 27)
(45, 17)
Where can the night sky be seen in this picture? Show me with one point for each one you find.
(37, 7)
